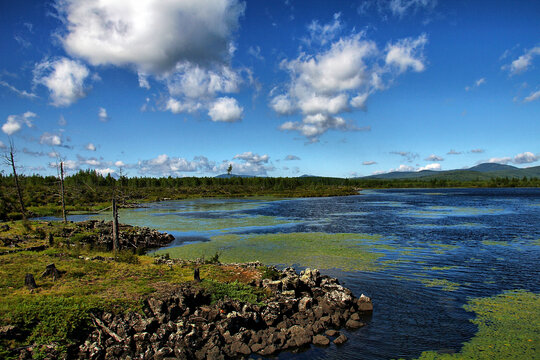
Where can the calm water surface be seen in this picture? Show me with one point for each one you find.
(441, 247)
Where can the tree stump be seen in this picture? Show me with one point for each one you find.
(51, 270)
(196, 275)
(30, 282)
(51, 239)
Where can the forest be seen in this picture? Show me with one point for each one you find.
(87, 190)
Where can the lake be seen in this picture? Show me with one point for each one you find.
(419, 254)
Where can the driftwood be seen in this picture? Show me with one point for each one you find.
(30, 282)
(100, 323)
(51, 270)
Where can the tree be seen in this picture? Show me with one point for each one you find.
(229, 169)
(9, 159)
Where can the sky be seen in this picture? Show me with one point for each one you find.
(274, 88)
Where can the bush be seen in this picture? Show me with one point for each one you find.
(234, 290)
(126, 256)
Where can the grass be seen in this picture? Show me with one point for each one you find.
(508, 328)
(319, 250)
(59, 311)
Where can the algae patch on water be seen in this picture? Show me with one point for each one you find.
(319, 250)
(507, 328)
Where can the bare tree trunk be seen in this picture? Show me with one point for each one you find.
(64, 215)
(115, 232)
(19, 190)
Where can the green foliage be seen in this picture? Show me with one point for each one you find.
(233, 290)
(270, 273)
(126, 256)
(213, 259)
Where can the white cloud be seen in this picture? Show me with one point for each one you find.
(53, 154)
(102, 115)
(434, 166)
(478, 151)
(22, 93)
(522, 63)
(453, 152)
(292, 157)
(64, 78)
(226, 109)
(90, 147)
(62, 121)
(163, 165)
(252, 158)
(14, 123)
(434, 157)
(401, 7)
(525, 158)
(255, 52)
(119, 163)
(533, 96)
(338, 78)
(410, 156)
(50, 139)
(325, 33)
(105, 171)
(407, 53)
(177, 107)
(151, 35)
(477, 83)
(143, 80)
(2, 145)
(503, 160)
(367, 163)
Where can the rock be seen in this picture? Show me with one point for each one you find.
(364, 303)
(298, 336)
(321, 340)
(355, 317)
(305, 303)
(240, 348)
(331, 333)
(352, 324)
(341, 339)
(269, 350)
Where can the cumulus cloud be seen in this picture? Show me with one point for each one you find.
(324, 33)
(367, 163)
(291, 157)
(90, 147)
(50, 139)
(102, 115)
(434, 166)
(252, 158)
(453, 152)
(153, 35)
(119, 163)
(523, 63)
(15, 123)
(2, 145)
(410, 156)
(105, 171)
(163, 165)
(226, 109)
(523, 158)
(338, 76)
(434, 157)
(186, 45)
(407, 54)
(64, 78)
(533, 96)
(252, 164)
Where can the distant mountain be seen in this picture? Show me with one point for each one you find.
(227, 176)
(306, 175)
(479, 172)
(489, 167)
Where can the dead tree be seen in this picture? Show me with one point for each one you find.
(9, 159)
(30, 282)
(115, 230)
(64, 215)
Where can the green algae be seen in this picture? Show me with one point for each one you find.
(444, 284)
(495, 242)
(507, 328)
(432, 212)
(178, 223)
(320, 250)
(440, 268)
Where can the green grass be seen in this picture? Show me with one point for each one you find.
(234, 291)
(508, 328)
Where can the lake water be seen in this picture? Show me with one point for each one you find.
(419, 254)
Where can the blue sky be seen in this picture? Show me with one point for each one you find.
(275, 88)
